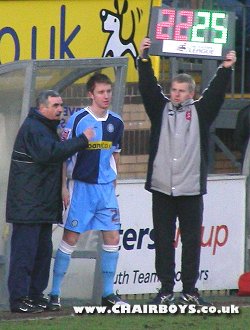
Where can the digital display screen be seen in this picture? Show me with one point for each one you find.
(191, 33)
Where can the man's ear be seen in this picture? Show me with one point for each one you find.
(42, 109)
(90, 95)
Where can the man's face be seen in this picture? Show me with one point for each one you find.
(179, 92)
(101, 96)
(53, 109)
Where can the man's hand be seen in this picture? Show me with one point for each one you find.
(89, 133)
(65, 197)
(145, 44)
(230, 59)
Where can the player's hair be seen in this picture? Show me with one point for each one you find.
(185, 78)
(44, 95)
(97, 78)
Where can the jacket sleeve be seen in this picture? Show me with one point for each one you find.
(213, 96)
(43, 148)
(151, 92)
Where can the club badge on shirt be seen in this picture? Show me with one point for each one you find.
(110, 128)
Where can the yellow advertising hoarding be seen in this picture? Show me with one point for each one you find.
(73, 29)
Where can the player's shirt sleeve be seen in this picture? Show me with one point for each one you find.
(117, 144)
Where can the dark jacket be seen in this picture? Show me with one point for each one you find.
(35, 177)
(207, 108)
(242, 131)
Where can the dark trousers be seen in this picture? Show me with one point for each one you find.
(30, 258)
(189, 210)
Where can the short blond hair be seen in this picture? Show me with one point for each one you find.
(185, 78)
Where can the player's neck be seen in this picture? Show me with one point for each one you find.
(99, 113)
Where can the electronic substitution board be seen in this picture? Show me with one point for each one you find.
(206, 34)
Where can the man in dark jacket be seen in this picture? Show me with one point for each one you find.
(34, 200)
(177, 169)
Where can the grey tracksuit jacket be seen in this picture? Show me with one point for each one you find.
(179, 140)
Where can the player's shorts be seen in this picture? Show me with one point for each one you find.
(92, 207)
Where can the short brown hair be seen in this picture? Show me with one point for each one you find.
(97, 78)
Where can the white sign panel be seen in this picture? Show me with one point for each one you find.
(223, 238)
(192, 48)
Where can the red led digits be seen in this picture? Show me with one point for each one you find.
(184, 21)
(164, 29)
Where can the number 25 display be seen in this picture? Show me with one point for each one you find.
(191, 33)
